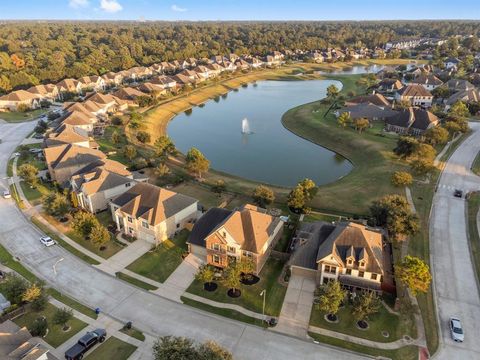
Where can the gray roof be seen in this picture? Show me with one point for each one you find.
(206, 224)
(368, 110)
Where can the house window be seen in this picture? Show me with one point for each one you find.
(374, 276)
(231, 249)
(216, 247)
(350, 261)
(362, 264)
(349, 272)
(130, 230)
(224, 234)
(145, 224)
(129, 219)
(216, 259)
(361, 274)
(330, 269)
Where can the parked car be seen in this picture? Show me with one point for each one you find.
(35, 150)
(47, 241)
(85, 343)
(38, 136)
(6, 194)
(456, 330)
(16, 154)
(458, 193)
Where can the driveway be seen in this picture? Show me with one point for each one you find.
(150, 313)
(125, 257)
(297, 306)
(455, 284)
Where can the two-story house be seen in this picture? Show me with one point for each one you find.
(416, 95)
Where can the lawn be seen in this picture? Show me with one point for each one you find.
(159, 263)
(132, 332)
(473, 205)
(203, 194)
(405, 353)
(284, 241)
(476, 165)
(250, 298)
(67, 300)
(14, 116)
(111, 248)
(396, 326)
(56, 336)
(115, 150)
(135, 281)
(35, 195)
(112, 348)
(315, 216)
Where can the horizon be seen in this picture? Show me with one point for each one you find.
(247, 10)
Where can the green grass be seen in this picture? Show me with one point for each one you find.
(315, 216)
(111, 248)
(232, 314)
(56, 336)
(370, 153)
(282, 244)
(135, 282)
(159, 263)
(112, 348)
(397, 326)
(67, 300)
(405, 353)
(7, 260)
(62, 242)
(105, 218)
(136, 334)
(15, 116)
(250, 298)
(10, 167)
(473, 206)
(35, 195)
(476, 165)
(107, 146)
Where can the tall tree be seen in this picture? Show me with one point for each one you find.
(29, 174)
(329, 297)
(263, 196)
(414, 273)
(332, 93)
(366, 305)
(196, 162)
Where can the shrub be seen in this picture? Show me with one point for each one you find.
(39, 327)
(143, 137)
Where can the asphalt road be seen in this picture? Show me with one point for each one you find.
(149, 313)
(455, 286)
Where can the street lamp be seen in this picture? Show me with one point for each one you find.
(264, 293)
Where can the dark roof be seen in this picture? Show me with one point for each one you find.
(413, 117)
(206, 224)
(376, 99)
(427, 79)
(459, 85)
(368, 110)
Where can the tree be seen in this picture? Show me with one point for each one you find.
(365, 305)
(406, 146)
(332, 93)
(205, 274)
(219, 186)
(394, 213)
(84, 222)
(458, 111)
(62, 316)
(143, 137)
(13, 288)
(164, 146)
(115, 137)
(56, 204)
(402, 178)
(29, 174)
(196, 163)
(129, 151)
(361, 124)
(99, 236)
(263, 196)
(414, 273)
(210, 350)
(41, 127)
(232, 276)
(422, 166)
(329, 297)
(32, 293)
(161, 170)
(344, 119)
(309, 188)
(436, 135)
(403, 105)
(39, 327)
(296, 198)
(174, 348)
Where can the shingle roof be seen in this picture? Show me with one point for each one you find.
(19, 95)
(414, 90)
(102, 177)
(206, 224)
(152, 203)
(413, 117)
(459, 85)
(427, 79)
(376, 99)
(71, 155)
(367, 110)
(472, 95)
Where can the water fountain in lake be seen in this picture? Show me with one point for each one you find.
(246, 127)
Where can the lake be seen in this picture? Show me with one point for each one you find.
(270, 154)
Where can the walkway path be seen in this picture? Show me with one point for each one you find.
(125, 257)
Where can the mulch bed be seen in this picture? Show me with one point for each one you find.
(249, 280)
(211, 286)
(234, 293)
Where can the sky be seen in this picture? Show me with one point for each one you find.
(239, 9)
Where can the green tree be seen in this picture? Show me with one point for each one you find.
(414, 273)
(436, 135)
(232, 276)
(458, 111)
(212, 351)
(13, 288)
(366, 305)
(406, 146)
(263, 196)
(332, 93)
(205, 274)
(143, 137)
(296, 198)
(196, 162)
(394, 213)
(115, 137)
(29, 174)
(130, 152)
(99, 236)
(344, 119)
(56, 204)
(62, 316)
(402, 178)
(329, 297)
(83, 223)
(361, 124)
(174, 348)
(164, 146)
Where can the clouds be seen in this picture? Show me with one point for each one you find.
(78, 3)
(110, 6)
(177, 8)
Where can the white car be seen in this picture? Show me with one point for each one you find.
(16, 154)
(47, 241)
(6, 194)
(456, 330)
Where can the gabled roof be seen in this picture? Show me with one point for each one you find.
(71, 155)
(128, 93)
(459, 85)
(414, 90)
(471, 95)
(65, 134)
(413, 117)
(368, 110)
(77, 118)
(376, 99)
(363, 240)
(427, 79)
(152, 203)
(206, 224)
(19, 95)
(391, 83)
(42, 89)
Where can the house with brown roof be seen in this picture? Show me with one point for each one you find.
(17, 343)
(16, 98)
(98, 183)
(466, 96)
(152, 89)
(202, 71)
(151, 213)
(412, 121)
(375, 99)
(389, 85)
(221, 235)
(165, 81)
(353, 254)
(428, 81)
(128, 93)
(70, 86)
(46, 92)
(79, 120)
(95, 83)
(112, 79)
(368, 111)
(67, 134)
(416, 95)
(64, 161)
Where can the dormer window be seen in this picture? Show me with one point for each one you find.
(362, 263)
(350, 262)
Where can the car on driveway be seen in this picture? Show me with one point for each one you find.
(458, 193)
(85, 343)
(456, 330)
(47, 241)
(6, 194)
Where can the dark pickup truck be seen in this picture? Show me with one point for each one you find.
(85, 343)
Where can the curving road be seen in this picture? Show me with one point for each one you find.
(150, 313)
(455, 285)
